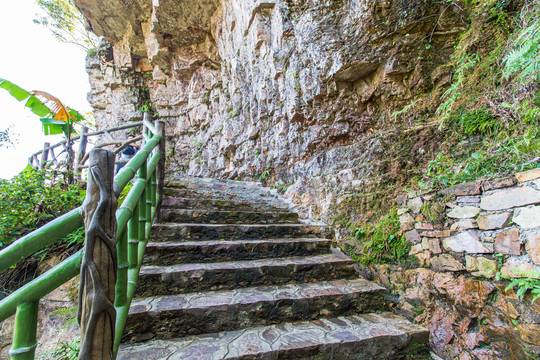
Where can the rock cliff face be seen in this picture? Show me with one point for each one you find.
(327, 100)
(292, 92)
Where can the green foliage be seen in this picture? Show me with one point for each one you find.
(455, 91)
(31, 199)
(55, 117)
(63, 351)
(497, 157)
(524, 58)
(124, 193)
(530, 282)
(66, 23)
(266, 172)
(382, 242)
(477, 122)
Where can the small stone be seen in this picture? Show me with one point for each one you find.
(420, 218)
(401, 200)
(463, 212)
(424, 258)
(435, 246)
(466, 241)
(406, 219)
(515, 267)
(528, 175)
(412, 194)
(427, 197)
(464, 189)
(498, 183)
(481, 266)
(463, 225)
(527, 218)
(537, 184)
(533, 247)
(416, 249)
(402, 211)
(446, 262)
(530, 333)
(493, 221)
(507, 242)
(511, 310)
(423, 226)
(415, 204)
(510, 198)
(468, 199)
(489, 239)
(442, 233)
(413, 236)
(425, 243)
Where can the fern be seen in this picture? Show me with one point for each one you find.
(524, 58)
(531, 282)
(63, 351)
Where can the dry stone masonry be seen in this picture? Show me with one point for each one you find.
(487, 223)
(464, 237)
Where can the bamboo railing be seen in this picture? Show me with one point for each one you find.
(76, 162)
(128, 230)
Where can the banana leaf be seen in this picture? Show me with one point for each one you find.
(54, 127)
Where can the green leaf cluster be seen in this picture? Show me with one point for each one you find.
(31, 199)
(381, 242)
(530, 282)
(49, 120)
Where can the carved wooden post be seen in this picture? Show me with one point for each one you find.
(160, 128)
(83, 141)
(44, 156)
(97, 314)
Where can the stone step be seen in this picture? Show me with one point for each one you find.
(196, 313)
(369, 336)
(227, 250)
(209, 194)
(201, 216)
(193, 232)
(217, 204)
(176, 279)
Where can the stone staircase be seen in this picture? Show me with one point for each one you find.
(231, 273)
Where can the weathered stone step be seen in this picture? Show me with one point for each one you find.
(169, 280)
(226, 250)
(369, 337)
(186, 232)
(217, 204)
(208, 194)
(201, 216)
(196, 313)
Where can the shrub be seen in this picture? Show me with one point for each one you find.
(31, 199)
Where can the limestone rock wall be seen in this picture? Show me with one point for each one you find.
(291, 92)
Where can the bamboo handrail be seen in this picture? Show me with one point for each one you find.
(133, 220)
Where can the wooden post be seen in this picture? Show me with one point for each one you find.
(160, 171)
(83, 142)
(44, 156)
(97, 314)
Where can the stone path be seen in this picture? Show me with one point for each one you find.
(231, 273)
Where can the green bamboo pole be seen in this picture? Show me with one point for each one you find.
(41, 286)
(122, 271)
(154, 190)
(133, 275)
(133, 239)
(24, 333)
(38, 239)
(136, 163)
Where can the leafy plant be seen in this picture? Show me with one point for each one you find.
(382, 242)
(265, 173)
(55, 116)
(63, 351)
(66, 23)
(31, 199)
(531, 282)
(524, 58)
